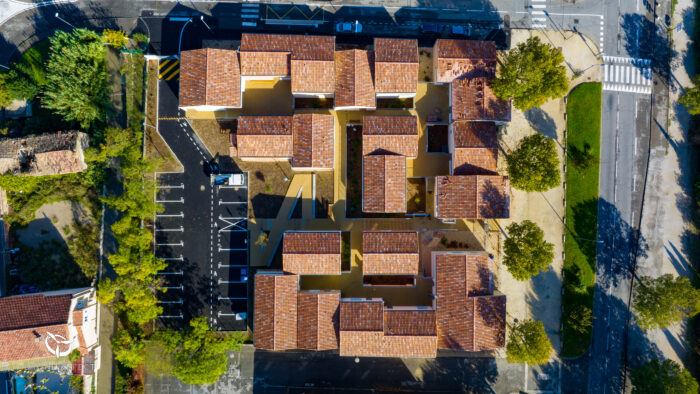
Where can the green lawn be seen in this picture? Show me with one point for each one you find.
(583, 158)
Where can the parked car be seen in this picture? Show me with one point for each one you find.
(348, 27)
(462, 30)
(432, 28)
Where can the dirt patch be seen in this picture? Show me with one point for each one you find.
(54, 222)
(268, 184)
(425, 64)
(215, 134)
(415, 190)
(155, 146)
(324, 194)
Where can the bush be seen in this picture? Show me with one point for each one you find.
(139, 37)
(116, 38)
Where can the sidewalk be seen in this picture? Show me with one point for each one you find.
(668, 204)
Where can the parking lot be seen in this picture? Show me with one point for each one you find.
(202, 232)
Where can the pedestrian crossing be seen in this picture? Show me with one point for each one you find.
(624, 74)
(250, 13)
(538, 14)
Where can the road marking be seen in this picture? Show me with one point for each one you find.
(229, 250)
(180, 186)
(232, 202)
(181, 200)
(171, 317)
(181, 229)
(171, 302)
(181, 272)
(181, 287)
(175, 215)
(182, 243)
(232, 298)
(230, 266)
(172, 258)
(221, 282)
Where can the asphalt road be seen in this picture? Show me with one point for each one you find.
(201, 233)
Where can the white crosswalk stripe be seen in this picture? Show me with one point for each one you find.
(623, 74)
(538, 20)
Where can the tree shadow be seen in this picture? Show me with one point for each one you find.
(541, 122)
(643, 40)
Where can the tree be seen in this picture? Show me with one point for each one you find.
(76, 85)
(526, 253)
(662, 301)
(691, 97)
(199, 354)
(528, 343)
(531, 73)
(116, 38)
(534, 166)
(128, 348)
(662, 377)
(581, 320)
(5, 93)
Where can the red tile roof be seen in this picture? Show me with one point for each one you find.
(455, 58)
(472, 197)
(396, 65)
(318, 320)
(464, 321)
(34, 310)
(313, 141)
(354, 79)
(384, 183)
(22, 344)
(364, 315)
(472, 99)
(276, 311)
(210, 77)
(390, 253)
(475, 148)
(312, 253)
(264, 136)
(391, 133)
(308, 59)
(367, 329)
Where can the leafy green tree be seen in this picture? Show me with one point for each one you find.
(128, 348)
(666, 377)
(691, 97)
(77, 79)
(526, 253)
(531, 74)
(581, 319)
(665, 300)
(528, 343)
(199, 354)
(534, 166)
(5, 93)
(116, 38)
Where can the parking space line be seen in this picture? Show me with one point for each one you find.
(171, 317)
(181, 200)
(232, 298)
(181, 229)
(231, 265)
(227, 230)
(176, 215)
(181, 186)
(182, 243)
(231, 187)
(221, 282)
(229, 250)
(170, 302)
(181, 287)
(232, 202)
(181, 272)
(172, 258)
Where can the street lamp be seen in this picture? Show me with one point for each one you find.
(63, 20)
(179, 45)
(201, 18)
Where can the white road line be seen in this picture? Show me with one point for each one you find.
(170, 317)
(175, 215)
(539, 6)
(232, 202)
(223, 282)
(171, 258)
(181, 200)
(181, 287)
(181, 229)
(232, 298)
(606, 68)
(181, 272)
(171, 302)
(182, 243)
(617, 73)
(539, 26)
(181, 186)
(230, 249)
(230, 265)
(539, 19)
(538, 13)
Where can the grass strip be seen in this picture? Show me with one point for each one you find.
(582, 169)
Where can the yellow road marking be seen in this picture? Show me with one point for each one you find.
(163, 63)
(169, 68)
(174, 73)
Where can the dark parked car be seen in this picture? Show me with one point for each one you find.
(432, 28)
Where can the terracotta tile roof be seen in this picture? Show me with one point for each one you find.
(312, 253)
(210, 76)
(465, 321)
(318, 320)
(313, 76)
(475, 148)
(455, 58)
(276, 311)
(34, 310)
(310, 60)
(390, 253)
(396, 65)
(22, 344)
(44, 154)
(410, 322)
(354, 79)
(364, 315)
(472, 197)
(400, 339)
(472, 99)
(313, 141)
(384, 183)
(264, 136)
(391, 133)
